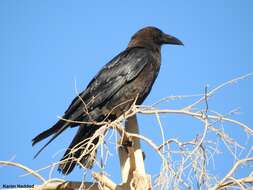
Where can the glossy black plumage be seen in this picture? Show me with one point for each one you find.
(111, 92)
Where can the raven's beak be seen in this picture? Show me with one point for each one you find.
(168, 39)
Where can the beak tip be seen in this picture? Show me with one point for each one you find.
(168, 39)
(181, 43)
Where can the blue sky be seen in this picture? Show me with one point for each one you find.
(48, 45)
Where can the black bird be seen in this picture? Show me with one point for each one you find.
(128, 77)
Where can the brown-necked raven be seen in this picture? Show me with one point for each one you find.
(128, 77)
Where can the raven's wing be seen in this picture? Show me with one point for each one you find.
(113, 76)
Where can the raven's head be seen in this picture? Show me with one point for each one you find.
(152, 36)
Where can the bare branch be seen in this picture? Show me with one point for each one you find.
(35, 174)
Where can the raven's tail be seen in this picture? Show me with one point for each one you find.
(48, 132)
(81, 148)
(57, 129)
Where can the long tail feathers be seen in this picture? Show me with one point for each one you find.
(48, 132)
(77, 147)
(56, 130)
(75, 150)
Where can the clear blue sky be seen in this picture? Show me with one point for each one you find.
(46, 45)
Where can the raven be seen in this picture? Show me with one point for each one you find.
(126, 79)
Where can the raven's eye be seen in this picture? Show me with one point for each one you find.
(158, 38)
